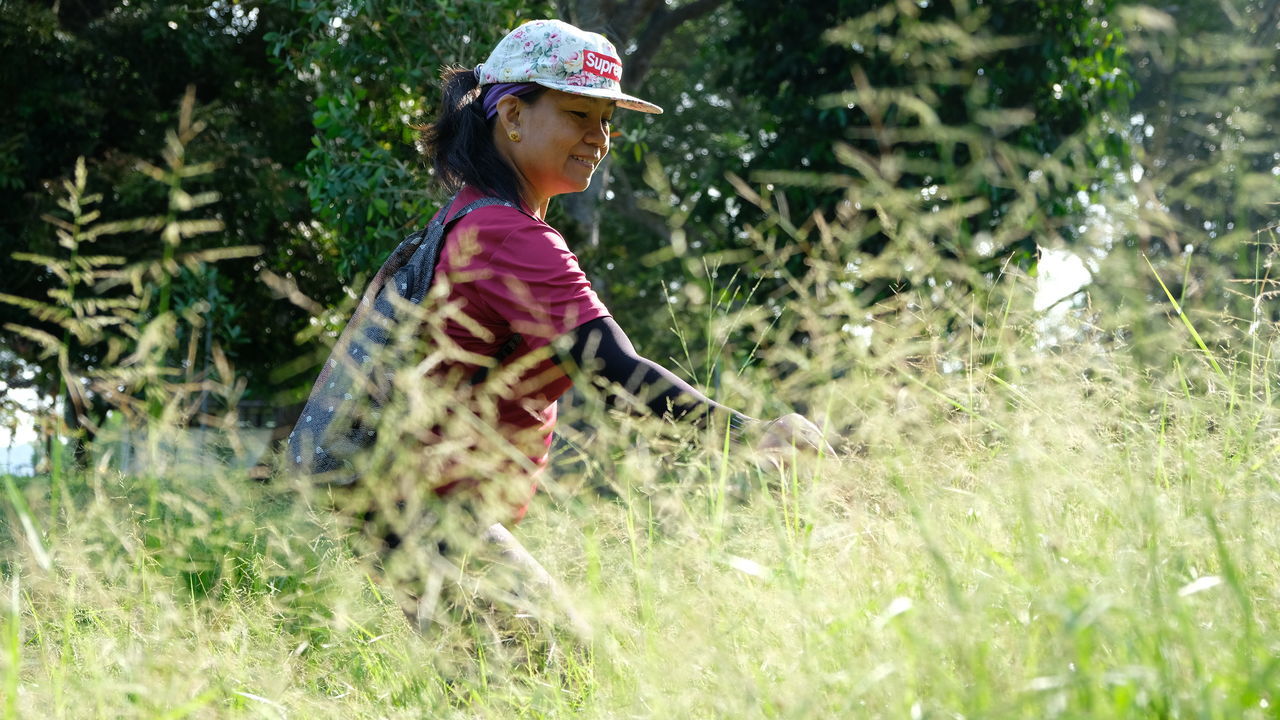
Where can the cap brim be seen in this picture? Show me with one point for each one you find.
(629, 102)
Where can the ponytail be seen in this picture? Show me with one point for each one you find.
(459, 144)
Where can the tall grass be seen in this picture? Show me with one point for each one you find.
(1012, 527)
(1097, 546)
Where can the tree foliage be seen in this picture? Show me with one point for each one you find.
(1015, 117)
(102, 80)
(1032, 73)
(814, 103)
(374, 69)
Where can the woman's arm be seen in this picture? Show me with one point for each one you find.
(601, 348)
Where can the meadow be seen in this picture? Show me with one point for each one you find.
(1086, 537)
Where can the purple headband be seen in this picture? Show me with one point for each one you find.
(493, 93)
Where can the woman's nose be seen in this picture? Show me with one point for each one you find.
(598, 137)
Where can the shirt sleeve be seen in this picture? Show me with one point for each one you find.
(537, 286)
(602, 349)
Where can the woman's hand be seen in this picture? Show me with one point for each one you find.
(794, 431)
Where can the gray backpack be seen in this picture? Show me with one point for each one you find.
(339, 419)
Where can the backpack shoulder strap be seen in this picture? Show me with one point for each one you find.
(413, 277)
(481, 203)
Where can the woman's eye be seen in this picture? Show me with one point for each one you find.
(578, 113)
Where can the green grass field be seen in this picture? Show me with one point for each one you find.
(1093, 540)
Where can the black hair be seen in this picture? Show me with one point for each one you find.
(459, 144)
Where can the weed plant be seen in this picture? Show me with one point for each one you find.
(1020, 521)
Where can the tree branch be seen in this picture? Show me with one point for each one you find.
(660, 24)
(565, 11)
(693, 11)
(626, 21)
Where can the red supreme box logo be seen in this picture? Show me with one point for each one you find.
(602, 65)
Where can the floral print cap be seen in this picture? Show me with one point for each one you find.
(559, 56)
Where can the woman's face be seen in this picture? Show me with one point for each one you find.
(563, 138)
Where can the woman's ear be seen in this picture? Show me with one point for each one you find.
(509, 107)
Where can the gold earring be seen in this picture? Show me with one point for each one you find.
(515, 136)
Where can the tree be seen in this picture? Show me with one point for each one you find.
(788, 95)
(1033, 73)
(102, 80)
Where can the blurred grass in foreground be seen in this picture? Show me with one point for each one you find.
(1096, 544)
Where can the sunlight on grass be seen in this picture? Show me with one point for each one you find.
(1102, 551)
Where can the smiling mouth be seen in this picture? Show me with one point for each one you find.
(578, 158)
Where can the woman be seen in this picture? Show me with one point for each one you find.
(508, 313)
